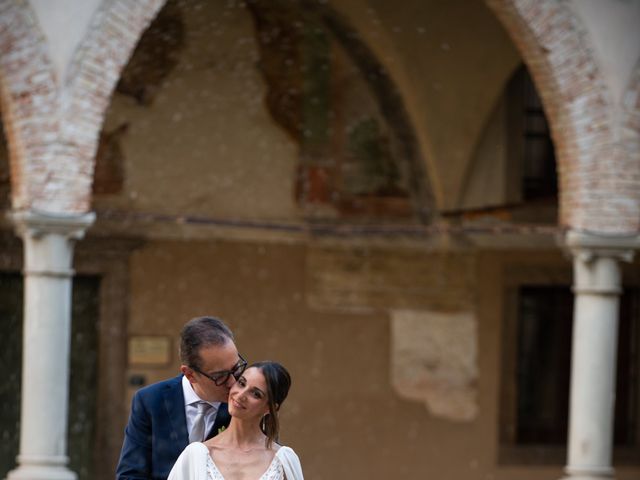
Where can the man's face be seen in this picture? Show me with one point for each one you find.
(213, 359)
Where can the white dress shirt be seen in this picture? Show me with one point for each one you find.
(191, 398)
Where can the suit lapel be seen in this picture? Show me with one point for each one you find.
(222, 420)
(174, 405)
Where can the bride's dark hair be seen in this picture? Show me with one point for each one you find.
(278, 382)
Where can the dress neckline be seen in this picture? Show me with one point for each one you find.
(215, 467)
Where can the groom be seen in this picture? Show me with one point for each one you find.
(168, 415)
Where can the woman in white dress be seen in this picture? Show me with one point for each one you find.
(247, 449)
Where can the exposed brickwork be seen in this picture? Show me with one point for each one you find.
(630, 129)
(52, 125)
(29, 99)
(92, 76)
(598, 166)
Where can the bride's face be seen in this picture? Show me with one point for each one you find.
(248, 396)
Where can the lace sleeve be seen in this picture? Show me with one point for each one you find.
(290, 463)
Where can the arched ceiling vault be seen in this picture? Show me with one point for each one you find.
(450, 62)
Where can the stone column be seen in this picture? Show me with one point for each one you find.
(597, 288)
(48, 252)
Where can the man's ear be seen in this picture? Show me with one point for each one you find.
(189, 373)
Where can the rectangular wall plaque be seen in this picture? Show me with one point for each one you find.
(149, 350)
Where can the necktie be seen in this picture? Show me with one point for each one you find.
(197, 432)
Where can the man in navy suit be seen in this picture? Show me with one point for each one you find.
(168, 415)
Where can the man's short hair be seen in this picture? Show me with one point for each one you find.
(201, 332)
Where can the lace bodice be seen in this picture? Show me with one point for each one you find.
(195, 463)
(273, 472)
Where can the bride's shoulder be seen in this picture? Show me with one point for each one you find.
(283, 450)
(195, 448)
(193, 454)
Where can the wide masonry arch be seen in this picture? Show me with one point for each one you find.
(53, 124)
(599, 176)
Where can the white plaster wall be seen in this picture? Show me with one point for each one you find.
(64, 24)
(614, 26)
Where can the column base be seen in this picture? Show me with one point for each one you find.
(40, 472)
(595, 473)
(583, 476)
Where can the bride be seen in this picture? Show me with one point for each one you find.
(247, 449)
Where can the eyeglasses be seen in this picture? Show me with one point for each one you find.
(221, 377)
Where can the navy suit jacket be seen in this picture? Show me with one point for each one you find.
(157, 431)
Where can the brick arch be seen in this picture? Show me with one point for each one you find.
(599, 182)
(53, 124)
(630, 128)
(112, 36)
(28, 95)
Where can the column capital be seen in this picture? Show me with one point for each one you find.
(48, 241)
(36, 224)
(587, 245)
(596, 260)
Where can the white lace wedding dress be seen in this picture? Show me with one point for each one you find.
(195, 463)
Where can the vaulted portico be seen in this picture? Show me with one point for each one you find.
(54, 103)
